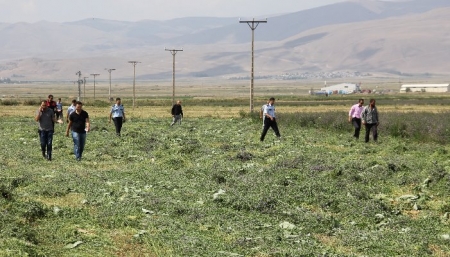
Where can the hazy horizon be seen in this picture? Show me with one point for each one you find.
(32, 11)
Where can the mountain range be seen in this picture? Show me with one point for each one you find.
(402, 37)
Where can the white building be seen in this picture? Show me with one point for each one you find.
(344, 88)
(428, 88)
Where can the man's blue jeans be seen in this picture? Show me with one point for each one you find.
(79, 140)
(46, 138)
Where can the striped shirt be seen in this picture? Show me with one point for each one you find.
(269, 109)
(117, 111)
(355, 111)
(369, 115)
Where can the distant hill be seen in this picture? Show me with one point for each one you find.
(365, 35)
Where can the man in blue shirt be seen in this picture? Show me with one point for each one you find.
(59, 110)
(117, 114)
(269, 119)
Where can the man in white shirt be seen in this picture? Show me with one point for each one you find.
(117, 114)
(71, 109)
(269, 119)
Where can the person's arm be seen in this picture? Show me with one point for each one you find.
(54, 117)
(350, 114)
(124, 117)
(68, 127)
(181, 111)
(378, 121)
(173, 110)
(363, 116)
(37, 117)
(88, 125)
(68, 114)
(110, 116)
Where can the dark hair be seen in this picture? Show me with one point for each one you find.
(118, 98)
(79, 103)
(59, 98)
(360, 100)
(50, 96)
(272, 99)
(371, 100)
(44, 101)
(74, 101)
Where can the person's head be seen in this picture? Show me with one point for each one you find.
(50, 97)
(118, 101)
(44, 104)
(78, 106)
(271, 101)
(74, 102)
(59, 99)
(179, 102)
(361, 102)
(372, 102)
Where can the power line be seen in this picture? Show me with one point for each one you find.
(109, 70)
(134, 80)
(253, 24)
(79, 84)
(95, 75)
(173, 52)
(84, 89)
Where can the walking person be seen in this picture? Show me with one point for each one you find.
(50, 103)
(177, 113)
(269, 119)
(59, 111)
(117, 114)
(79, 124)
(370, 119)
(354, 116)
(46, 119)
(70, 109)
(261, 112)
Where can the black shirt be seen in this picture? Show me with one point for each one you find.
(79, 121)
(177, 110)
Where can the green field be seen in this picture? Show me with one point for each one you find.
(210, 188)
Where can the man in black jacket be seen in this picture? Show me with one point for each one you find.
(177, 113)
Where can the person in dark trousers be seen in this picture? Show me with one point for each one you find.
(46, 118)
(79, 124)
(70, 109)
(177, 113)
(59, 110)
(117, 114)
(370, 120)
(269, 119)
(354, 116)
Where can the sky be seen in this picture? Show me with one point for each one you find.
(12, 11)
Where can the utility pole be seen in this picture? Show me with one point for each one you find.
(134, 81)
(84, 90)
(95, 75)
(253, 24)
(173, 52)
(110, 70)
(79, 84)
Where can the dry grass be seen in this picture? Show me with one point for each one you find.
(212, 112)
